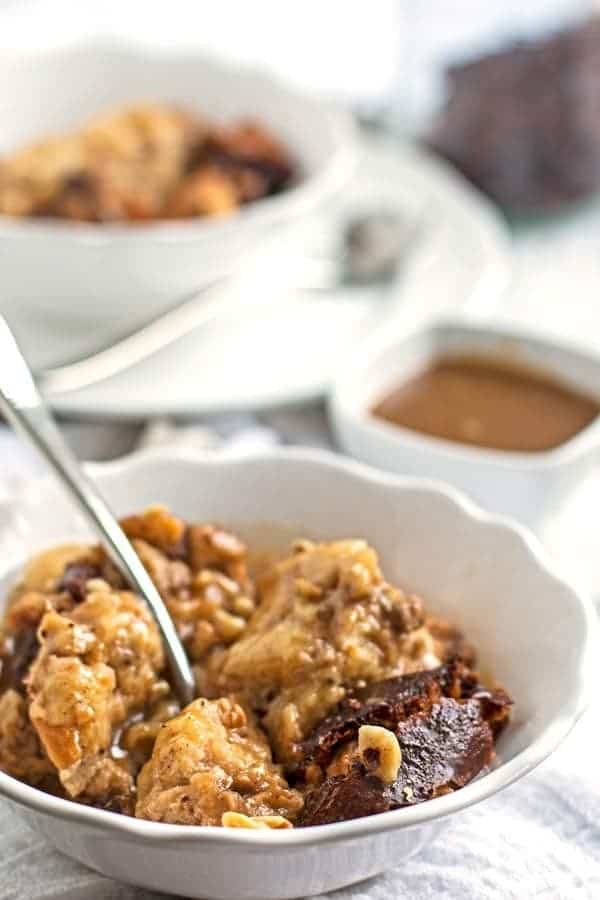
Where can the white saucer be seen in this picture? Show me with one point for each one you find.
(285, 350)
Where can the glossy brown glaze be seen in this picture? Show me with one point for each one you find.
(488, 403)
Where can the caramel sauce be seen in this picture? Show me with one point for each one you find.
(488, 403)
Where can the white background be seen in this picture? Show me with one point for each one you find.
(348, 48)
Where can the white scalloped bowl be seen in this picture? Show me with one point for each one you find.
(533, 632)
(94, 278)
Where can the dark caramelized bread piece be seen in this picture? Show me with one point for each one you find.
(445, 723)
(442, 749)
(349, 796)
(389, 702)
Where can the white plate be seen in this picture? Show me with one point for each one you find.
(287, 351)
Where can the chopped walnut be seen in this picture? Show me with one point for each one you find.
(172, 577)
(239, 820)
(380, 752)
(214, 548)
(156, 526)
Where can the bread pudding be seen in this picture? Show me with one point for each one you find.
(324, 692)
(144, 163)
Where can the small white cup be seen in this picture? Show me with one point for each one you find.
(529, 486)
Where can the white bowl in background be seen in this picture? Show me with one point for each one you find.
(98, 280)
(528, 486)
(485, 574)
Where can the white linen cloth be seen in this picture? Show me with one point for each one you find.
(538, 839)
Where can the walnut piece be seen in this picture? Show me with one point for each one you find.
(380, 752)
(239, 820)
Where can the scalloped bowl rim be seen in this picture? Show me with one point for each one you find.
(486, 786)
(266, 211)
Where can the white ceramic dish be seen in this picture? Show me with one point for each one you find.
(461, 261)
(102, 279)
(529, 486)
(485, 574)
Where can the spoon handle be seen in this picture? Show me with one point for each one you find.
(26, 411)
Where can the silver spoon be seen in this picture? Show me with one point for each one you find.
(26, 411)
(374, 246)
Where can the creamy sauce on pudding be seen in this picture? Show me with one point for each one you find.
(488, 403)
